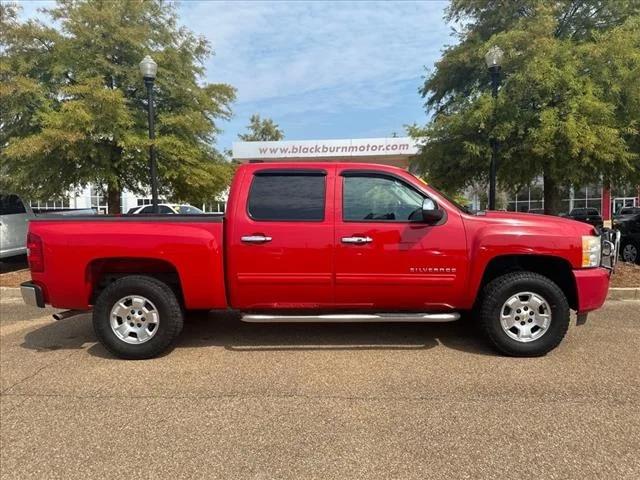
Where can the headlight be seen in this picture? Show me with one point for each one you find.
(591, 251)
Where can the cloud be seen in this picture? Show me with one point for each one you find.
(344, 54)
(320, 69)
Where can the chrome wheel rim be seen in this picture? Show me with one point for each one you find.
(629, 253)
(134, 319)
(525, 317)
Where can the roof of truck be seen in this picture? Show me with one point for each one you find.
(298, 165)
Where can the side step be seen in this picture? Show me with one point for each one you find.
(353, 317)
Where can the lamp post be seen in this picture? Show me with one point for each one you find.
(493, 58)
(149, 68)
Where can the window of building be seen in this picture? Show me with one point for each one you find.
(56, 204)
(98, 199)
(374, 198)
(286, 196)
(214, 207)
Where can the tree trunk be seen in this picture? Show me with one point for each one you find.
(114, 193)
(552, 200)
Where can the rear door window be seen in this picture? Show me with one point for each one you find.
(11, 205)
(287, 196)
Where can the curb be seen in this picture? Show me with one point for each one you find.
(629, 293)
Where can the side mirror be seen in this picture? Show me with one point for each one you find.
(430, 212)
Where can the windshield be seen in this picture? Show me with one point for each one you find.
(189, 210)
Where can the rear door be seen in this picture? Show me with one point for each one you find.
(13, 225)
(280, 240)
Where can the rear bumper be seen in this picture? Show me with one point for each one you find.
(32, 294)
(592, 285)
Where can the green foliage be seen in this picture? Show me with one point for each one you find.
(74, 104)
(569, 103)
(261, 130)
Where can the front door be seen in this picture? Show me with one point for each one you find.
(281, 240)
(386, 258)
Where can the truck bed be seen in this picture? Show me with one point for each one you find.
(85, 250)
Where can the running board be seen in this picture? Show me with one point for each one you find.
(353, 317)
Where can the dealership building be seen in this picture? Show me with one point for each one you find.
(397, 151)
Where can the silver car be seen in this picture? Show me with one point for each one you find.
(14, 218)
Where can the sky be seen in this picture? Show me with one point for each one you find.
(319, 69)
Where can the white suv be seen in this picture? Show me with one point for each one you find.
(14, 218)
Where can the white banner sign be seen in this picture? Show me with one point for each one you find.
(357, 147)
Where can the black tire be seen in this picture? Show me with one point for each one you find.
(169, 312)
(632, 253)
(499, 290)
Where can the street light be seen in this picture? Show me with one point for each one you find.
(148, 69)
(493, 58)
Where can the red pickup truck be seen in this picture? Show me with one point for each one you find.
(323, 242)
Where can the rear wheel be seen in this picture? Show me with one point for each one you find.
(137, 317)
(524, 314)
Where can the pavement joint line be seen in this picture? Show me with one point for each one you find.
(436, 398)
(34, 374)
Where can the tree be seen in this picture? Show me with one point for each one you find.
(74, 105)
(569, 104)
(261, 130)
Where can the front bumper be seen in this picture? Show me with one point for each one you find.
(592, 286)
(32, 294)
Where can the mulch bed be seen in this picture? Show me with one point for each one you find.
(14, 271)
(627, 275)
(14, 279)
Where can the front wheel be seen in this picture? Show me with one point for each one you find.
(137, 317)
(524, 314)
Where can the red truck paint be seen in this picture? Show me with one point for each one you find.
(408, 266)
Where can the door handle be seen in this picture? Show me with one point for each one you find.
(357, 240)
(256, 239)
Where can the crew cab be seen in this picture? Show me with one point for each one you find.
(323, 242)
(587, 215)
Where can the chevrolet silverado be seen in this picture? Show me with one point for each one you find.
(323, 242)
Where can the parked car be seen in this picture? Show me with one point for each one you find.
(587, 215)
(166, 208)
(14, 218)
(624, 211)
(323, 242)
(629, 227)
